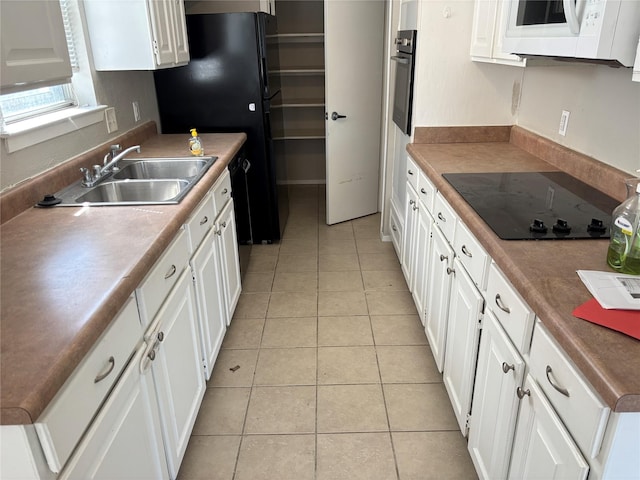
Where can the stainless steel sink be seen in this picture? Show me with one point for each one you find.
(135, 191)
(161, 168)
(140, 181)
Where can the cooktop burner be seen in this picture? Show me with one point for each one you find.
(536, 205)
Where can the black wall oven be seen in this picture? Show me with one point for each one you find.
(405, 66)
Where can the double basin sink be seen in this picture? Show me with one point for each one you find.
(140, 181)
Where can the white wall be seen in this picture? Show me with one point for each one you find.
(451, 89)
(604, 105)
(115, 89)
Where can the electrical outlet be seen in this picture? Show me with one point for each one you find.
(110, 119)
(564, 122)
(136, 111)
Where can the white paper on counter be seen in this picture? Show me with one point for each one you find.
(613, 290)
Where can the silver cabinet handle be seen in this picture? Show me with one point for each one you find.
(466, 251)
(443, 258)
(171, 272)
(422, 190)
(501, 305)
(152, 355)
(563, 391)
(450, 271)
(506, 367)
(101, 376)
(411, 202)
(225, 191)
(415, 206)
(218, 232)
(393, 227)
(409, 172)
(521, 393)
(160, 336)
(224, 224)
(440, 217)
(204, 220)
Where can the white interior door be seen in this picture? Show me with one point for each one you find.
(354, 48)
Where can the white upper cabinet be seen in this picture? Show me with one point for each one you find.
(137, 34)
(487, 32)
(34, 47)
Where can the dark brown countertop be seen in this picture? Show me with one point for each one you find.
(544, 272)
(67, 271)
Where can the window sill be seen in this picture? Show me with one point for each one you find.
(46, 127)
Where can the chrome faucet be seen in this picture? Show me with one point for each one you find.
(99, 173)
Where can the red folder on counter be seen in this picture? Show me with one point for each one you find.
(625, 321)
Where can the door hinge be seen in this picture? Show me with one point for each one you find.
(467, 423)
(480, 322)
(155, 47)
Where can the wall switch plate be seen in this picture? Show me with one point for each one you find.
(136, 111)
(564, 122)
(110, 119)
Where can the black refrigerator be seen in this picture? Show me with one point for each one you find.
(229, 86)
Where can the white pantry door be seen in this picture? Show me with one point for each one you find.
(354, 47)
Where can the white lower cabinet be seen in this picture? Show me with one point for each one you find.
(210, 298)
(176, 363)
(125, 439)
(227, 247)
(542, 448)
(439, 289)
(409, 240)
(499, 373)
(461, 350)
(420, 268)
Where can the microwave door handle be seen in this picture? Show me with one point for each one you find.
(571, 14)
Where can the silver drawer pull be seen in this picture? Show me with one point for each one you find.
(393, 227)
(224, 224)
(152, 355)
(225, 191)
(171, 272)
(506, 367)
(443, 258)
(101, 376)
(563, 391)
(415, 207)
(466, 252)
(411, 202)
(521, 393)
(409, 172)
(450, 271)
(440, 217)
(422, 190)
(204, 220)
(501, 305)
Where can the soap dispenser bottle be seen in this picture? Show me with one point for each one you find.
(195, 144)
(624, 244)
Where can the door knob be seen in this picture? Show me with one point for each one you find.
(336, 116)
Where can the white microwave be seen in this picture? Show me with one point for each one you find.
(590, 30)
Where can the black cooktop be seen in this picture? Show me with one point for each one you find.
(536, 205)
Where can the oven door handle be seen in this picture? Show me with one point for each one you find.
(403, 60)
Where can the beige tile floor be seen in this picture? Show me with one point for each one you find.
(336, 379)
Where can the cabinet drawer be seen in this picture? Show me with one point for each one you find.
(396, 230)
(426, 191)
(221, 191)
(472, 255)
(412, 172)
(579, 407)
(515, 316)
(158, 283)
(200, 222)
(68, 415)
(445, 217)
